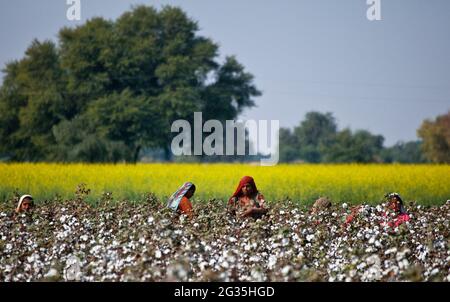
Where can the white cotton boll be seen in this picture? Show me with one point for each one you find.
(285, 271)
(254, 259)
(403, 264)
(31, 258)
(373, 260)
(158, 254)
(361, 265)
(434, 272)
(369, 249)
(272, 261)
(52, 273)
(344, 205)
(257, 275)
(225, 264)
(390, 251)
(63, 218)
(310, 237)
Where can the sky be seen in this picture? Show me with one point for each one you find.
(384, 76)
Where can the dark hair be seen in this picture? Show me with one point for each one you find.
(192, 188)
(394, 195)
(397, 196)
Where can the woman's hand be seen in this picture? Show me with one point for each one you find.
(261, 203)
(253, 211)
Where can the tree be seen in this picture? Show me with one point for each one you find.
(126, 79)
(314, 135)
(401, 152)
(31, 102)
(361, 146)
(77, 142)
(125, 118)
(288, 146)
(436, 138)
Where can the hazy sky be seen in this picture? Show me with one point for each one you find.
(384, 76)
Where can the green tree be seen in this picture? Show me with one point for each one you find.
(77, 142)
(316, 140)
(436, 138)
(409, 152)
(31, 101)
(117, 84)
(288, 146)
(125, 118)
(361, 146)
(314, 135)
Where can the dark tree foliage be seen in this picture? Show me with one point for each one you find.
(108, 89)
(436, 138)
(317, 139)
(409, 152)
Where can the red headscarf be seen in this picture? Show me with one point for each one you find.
(245, 180)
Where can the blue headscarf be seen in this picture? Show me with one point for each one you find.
(175, 199)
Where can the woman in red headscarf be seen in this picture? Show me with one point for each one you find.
(247, 201)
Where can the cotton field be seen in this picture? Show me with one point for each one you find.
(143, 241)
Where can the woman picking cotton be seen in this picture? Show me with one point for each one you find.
(24, 210)
(25, 204)
(395, 213)
(247, 201)
(180, 200)
(392, 216)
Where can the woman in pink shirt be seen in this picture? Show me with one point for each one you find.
(396, 213)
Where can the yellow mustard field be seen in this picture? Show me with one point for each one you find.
(352, 183)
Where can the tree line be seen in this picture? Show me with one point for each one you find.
(317, 140)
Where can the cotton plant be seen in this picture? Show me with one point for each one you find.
(123, 241)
